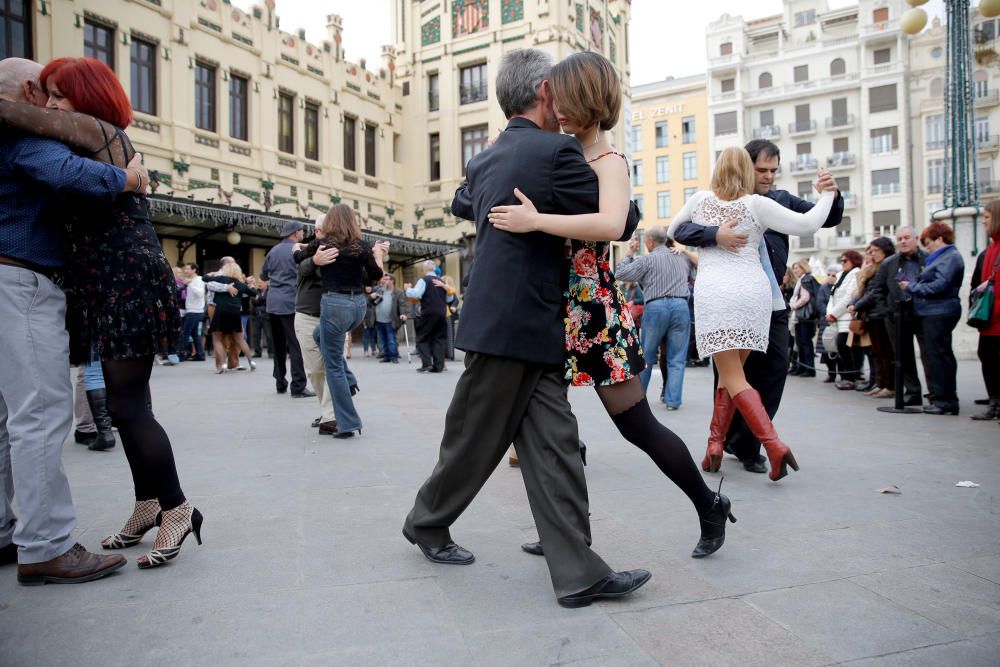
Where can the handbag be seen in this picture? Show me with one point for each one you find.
(857, 327)
(807, 313)
(981, 301)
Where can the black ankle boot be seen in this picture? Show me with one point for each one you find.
(98, 400)
(992, 411)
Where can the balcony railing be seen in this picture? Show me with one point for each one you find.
(935, 188)
(840, 122)
(476, 92)
(810, 242)
(804, 163)
(850, 241)
(988, 99)
(767, 132)
(883, 147)
(935, 144)
(885, 189)
(880, 27)
(842, 159)
(989, 187)
(725, 97)
(850, 201)
(802, 127)
(988, 143)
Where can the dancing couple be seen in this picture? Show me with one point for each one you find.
(121, 308)
(532, 324)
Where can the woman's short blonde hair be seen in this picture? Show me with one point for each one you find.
(587, 89)
(233, 270)
(734, 174)
(803, 265)
(340, 225)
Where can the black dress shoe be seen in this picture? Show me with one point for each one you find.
(328, 428)
(755, 464)
(305, 393)
(82, 438)
(449, 554)
(354, 389)
(280, 389)
(615, 585)
(423, 369)
(8, 554)
(344, 435)
(316, 422)
(533, 548)
(982, 401)
(938, 409)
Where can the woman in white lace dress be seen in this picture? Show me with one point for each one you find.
(735, 293)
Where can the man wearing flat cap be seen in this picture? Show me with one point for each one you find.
(280, 271)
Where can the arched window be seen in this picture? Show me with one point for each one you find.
(838, 67)
(764, 80)
(937, 87)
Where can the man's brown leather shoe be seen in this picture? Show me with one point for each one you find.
(8, 554)
(74, 567)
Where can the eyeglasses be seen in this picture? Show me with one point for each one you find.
(841, 259)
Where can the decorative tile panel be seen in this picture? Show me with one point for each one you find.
(579, 17)
(469, 17)
(511, 10)
(430, 32)
(612, 51)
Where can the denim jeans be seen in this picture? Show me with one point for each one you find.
(939, 358)
(387, 339)
(190, 330)
(668, 318)
(340, 313)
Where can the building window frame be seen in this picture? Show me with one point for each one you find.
(663, 204)
(473, 83)
(205, 97)
(92, 43)
(239, 112)
(16, 17)
(142, 68)
(475, 139)
(662, 134)
(662, 168)
(690, 166)
(434, 150)
(311, 131)
(350, 143)
(433, 92)
(286, 122)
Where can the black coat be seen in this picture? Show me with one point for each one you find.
(514, 301)
(883, 290)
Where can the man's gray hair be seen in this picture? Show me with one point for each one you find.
(656, 234)
(429, 265)
(14, 72)
(521, 73)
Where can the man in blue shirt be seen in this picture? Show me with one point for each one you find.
(38, 178)
(766, 372)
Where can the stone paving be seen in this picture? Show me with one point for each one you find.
(304, 564)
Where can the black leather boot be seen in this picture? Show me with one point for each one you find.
(98, 400)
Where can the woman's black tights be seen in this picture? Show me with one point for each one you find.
(627, 406)
(146, 444)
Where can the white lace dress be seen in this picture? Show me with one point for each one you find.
(732, 294)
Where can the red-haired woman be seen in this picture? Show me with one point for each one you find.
(936, 303)
(123, 305)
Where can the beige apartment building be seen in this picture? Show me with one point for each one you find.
(830, 88)
(247, 124)
(669, 145)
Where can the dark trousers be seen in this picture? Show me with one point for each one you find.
(906, 354)
(989, 357)
(804, 334)
(432, 339)
(498, 401)
(261, 334)
(939, 358)
(885, 375)
(848, 358)
(189, 331)
(766, 372)
(387, 340)
(285, 343)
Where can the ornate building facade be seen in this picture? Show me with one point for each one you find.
(247, 125)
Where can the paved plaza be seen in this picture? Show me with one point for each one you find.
(304, 564)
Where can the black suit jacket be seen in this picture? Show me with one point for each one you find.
(514, 300)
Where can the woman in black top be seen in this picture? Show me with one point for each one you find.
(343, 305)
(228, 319)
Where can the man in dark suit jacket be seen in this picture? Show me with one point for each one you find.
(512, 333)
(766, 372)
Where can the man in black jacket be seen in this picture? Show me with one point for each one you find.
(766, 372)
(904, 265)
(512, 389)
(431, 326)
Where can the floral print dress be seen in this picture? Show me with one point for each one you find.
(602, 342)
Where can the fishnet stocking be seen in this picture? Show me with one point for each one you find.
(173, 526)
(142, 517)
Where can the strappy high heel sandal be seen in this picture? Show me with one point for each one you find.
(142, 520)
(175, 525)
(713, 525)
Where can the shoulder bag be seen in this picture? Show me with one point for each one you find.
(981, 301)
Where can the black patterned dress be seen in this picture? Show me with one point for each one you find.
(602, 342)
(121, 297)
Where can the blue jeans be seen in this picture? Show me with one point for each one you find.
(387, 339)
(340, 313)
(667, 318)
(93, 376)
(369, 339)
(191, 322)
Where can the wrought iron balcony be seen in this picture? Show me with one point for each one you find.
(840, 122)
(767, 132)
(476, 92)
(842, 159)
(988, 99)
(885, 189)
(804, 163)
(802, 127)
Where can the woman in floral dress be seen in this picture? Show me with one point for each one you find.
(602, 342)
